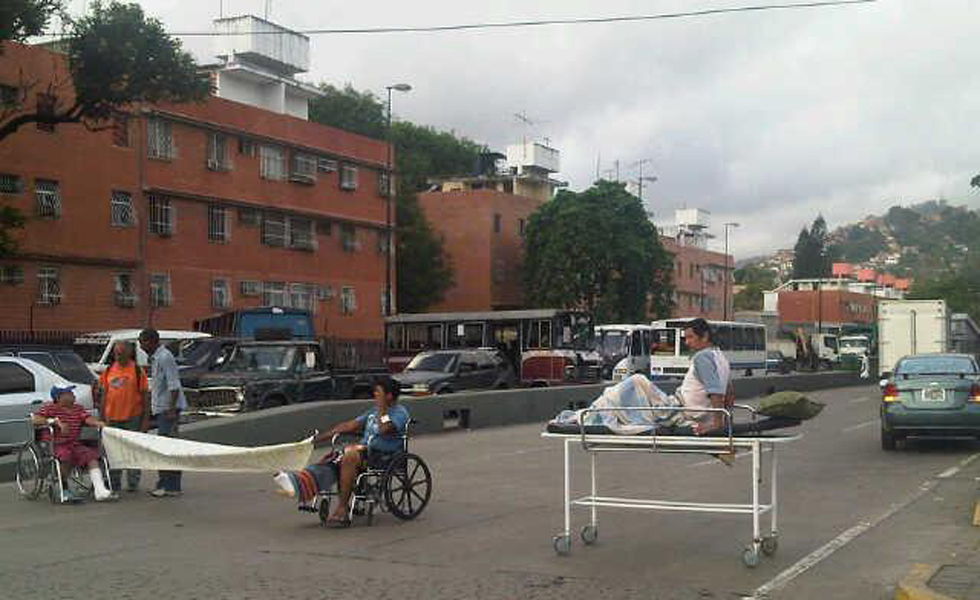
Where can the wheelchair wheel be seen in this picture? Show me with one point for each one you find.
(30, 475)
(80, 485)
(407, 486)
(324, 510)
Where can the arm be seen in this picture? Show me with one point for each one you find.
(352, 426)
(93, 422)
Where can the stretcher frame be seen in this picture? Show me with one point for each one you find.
(595, 444)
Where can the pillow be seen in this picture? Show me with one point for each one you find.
(789, 404)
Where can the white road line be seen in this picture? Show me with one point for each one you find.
(859, 426)
(811, 560)
(858, 400)
(715, 461)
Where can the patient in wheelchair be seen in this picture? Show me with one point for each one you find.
(381, 430)
(67, 418)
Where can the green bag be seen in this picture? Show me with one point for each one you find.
(789, 405)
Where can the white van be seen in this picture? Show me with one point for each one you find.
(96, 348)
(624, 350)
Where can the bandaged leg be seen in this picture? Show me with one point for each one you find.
(98, 484)
(284, 485)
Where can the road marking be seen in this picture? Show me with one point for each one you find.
(859, 426)
(715, 461)
(858, 400)
(811, 560)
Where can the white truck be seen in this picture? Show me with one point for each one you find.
(910, 327)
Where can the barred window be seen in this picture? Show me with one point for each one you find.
(120, 129)
(218, 152)
(274, 229)
(249, 217)
(48, 198)
(326, 165)
(324, 292)
(383, 242)
(301, 234)
(303, 167)
(123, 214)
(250, 288)
(160, 294)
(161, 216)
(271, 163)
(10, 184)
(274, 293)
(124, 292)
(247, 147)
(384, 183)
(348, 177)
(159, 142)
(11, 274)
(301, 296)
(218, 223)
(48, 286)
(348, 238)
(220, 294)
(348, 300)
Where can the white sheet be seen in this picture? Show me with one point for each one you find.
(134, 450)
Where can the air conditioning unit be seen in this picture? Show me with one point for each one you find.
(125, 300)
(302, 178)
(326, 165)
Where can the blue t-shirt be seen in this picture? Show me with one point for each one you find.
(384, 443)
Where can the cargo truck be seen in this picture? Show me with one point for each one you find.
(910, 327)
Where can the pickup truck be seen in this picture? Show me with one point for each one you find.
(263, 374)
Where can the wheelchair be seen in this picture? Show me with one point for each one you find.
(39, 472)
(397, 482)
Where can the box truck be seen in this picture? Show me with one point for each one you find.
(910, 327)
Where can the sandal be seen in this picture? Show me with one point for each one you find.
(337, 523)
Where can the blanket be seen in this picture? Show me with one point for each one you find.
(134, 450)
(633, 392)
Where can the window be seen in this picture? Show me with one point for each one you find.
(249, 217)
(161, 216)
(120, 129)
(15, 379)
(324, 227)
(220, 295)
(45, 109)
(271, 165)
(123, 214)
(496, 223)
(250, 288)
(301, 295)
(324, 292)
(217, 223)
(9, 97)
(11, 274)
(382, 242)
(10, 184)
(274, 229)
(348, 238)
(159, 143)
(521, 225)
(160, 295)
(124, 292)
(247, 147)
(348, 177)
(48, 198)
(301, 234)
(274, 293)
(384, 181)
(326, 165)
(303, 168)
(348, 300)
(48, 286)
(218, 152)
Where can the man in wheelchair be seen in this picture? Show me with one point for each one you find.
(382, 429)
(66, 420)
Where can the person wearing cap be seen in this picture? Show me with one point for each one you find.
(67, 418)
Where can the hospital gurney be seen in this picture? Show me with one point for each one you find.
(753, 436)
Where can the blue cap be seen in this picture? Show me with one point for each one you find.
(58, 390)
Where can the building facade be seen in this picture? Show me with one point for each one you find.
(702, 277)
(176, 212)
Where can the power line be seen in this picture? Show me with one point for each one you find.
(537, 23)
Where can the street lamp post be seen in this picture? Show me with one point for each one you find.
(389, 194)
(728, 226)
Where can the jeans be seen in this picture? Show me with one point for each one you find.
(168, 480)
(132, 475)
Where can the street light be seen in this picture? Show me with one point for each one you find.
(389, 193)
(728, 226)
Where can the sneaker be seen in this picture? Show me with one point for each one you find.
(160, 493)
(110, 497)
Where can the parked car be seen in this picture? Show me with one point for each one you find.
(95, 348)
(62, 361)
(202, 356)
(25, 385)
(777, 362)
(447, 371)
(930, 395)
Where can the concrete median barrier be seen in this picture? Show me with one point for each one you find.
(433, 414)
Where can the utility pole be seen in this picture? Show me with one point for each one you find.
(640, 178)
(727, 269)
(390, 197)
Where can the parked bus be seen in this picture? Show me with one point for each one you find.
(545, 346)
(744, 345)
(256, 323)
(624, 349)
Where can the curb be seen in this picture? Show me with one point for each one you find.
(914, 585)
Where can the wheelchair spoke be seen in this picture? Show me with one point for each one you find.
(414, 472)
(416, 494)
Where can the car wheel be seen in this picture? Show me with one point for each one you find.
(273, 401)
(889, 440)
(445, 390)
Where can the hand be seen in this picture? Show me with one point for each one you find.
(62, 426)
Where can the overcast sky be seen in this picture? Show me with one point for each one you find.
(761, 118)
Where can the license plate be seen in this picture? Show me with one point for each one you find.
(934, 395)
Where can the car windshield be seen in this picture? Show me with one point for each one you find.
(611, 342)
(443, 363)
(854, 343)
(73, 368)
(90, 352)
(936, 365)
(195, 352)
(261, 358)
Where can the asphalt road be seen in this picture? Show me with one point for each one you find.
(846, 512)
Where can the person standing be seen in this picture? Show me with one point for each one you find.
(125, 402)
(166, 401)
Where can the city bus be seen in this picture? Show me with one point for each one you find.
(744, 345)
(623, 349)
(544, 346)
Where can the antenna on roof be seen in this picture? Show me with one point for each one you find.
(268, 7)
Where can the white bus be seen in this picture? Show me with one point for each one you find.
(744, 345)
(624, 349)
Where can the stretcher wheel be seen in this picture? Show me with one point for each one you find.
(590, 534)
(750, 557)
(769, 545)
(324, 510)
(562, 544)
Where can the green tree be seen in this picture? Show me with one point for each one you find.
(813, 256)
(350, 110)
(597, 250)
(22, 19)
(756, 280)
(959, 287)
(116, 57)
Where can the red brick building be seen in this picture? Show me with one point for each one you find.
(177, 212)
(699, 280)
